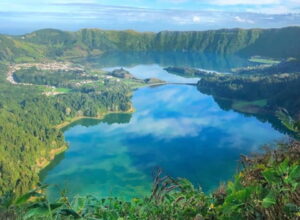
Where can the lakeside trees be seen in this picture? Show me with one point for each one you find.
(27, 126)
(277, 86)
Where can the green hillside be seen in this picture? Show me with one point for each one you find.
(51, 43)
(220, 41)
(29, 138)
(15, 50)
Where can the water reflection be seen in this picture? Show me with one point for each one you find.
(175, 127)
(209, 61)
(110, 119)
(155, 71)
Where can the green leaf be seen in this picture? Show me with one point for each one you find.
(270, 199)
(44, 186)
(271, 176)
(243, 195)
(283, 167)
(295, 172)
(41, 211)
(295, 186)
(230, 187)
(78, 203)
(56, 205)
(69, 212)
(24, 198)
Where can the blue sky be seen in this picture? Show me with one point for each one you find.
(20, 16)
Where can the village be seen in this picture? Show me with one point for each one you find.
(53, 66)
(66, 66)
(61, 66)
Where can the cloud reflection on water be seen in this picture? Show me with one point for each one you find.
(171, 112)
(174, 127)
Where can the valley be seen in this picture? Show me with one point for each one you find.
(97, 112)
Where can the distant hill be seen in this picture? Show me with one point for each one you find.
(279, 43)
(13, 50)
(51, 43)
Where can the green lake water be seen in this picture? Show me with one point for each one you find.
(174, 127)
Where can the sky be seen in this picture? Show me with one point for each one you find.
(23, 16)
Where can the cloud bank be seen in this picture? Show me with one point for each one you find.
(21, 16)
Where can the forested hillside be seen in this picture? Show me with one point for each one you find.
(28, 137)
(265, 42)
(50, 43)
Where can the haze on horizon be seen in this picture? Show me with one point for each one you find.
(23, 16)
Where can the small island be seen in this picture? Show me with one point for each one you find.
(189, 72)
(124, 74)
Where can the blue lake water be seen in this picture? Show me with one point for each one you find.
(174, 127)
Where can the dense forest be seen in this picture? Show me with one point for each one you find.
(291, 65)
(50, 43)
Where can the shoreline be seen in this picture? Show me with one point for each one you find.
(74, 119)
(42, 162)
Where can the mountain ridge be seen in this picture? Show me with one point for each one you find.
(53, 43)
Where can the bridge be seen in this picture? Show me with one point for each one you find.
(172, 83)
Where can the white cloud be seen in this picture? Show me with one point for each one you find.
(279, 9)
(243, 20)
(196, 19)
(20, 18)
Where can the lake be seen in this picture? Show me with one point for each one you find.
(175, 128)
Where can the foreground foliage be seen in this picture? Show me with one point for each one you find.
(267, 188)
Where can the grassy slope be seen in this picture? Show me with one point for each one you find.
(13, 50)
